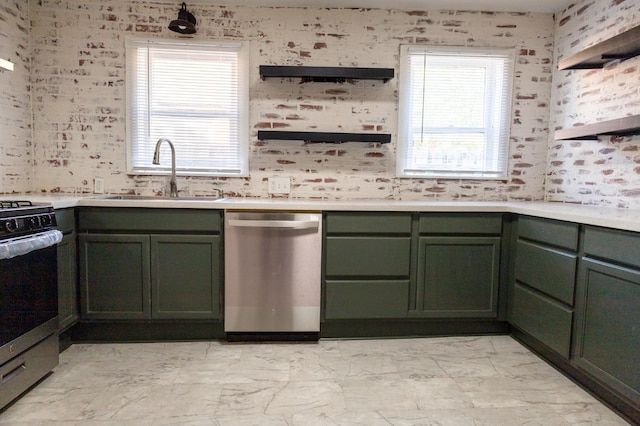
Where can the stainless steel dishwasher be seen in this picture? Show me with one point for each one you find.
(272, 275)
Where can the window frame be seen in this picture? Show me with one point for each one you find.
(134, 86)
(500, 144)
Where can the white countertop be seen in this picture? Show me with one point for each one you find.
(623, 219)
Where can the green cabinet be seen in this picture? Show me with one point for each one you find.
(542, 296)
(608, 310)
(458, 267)
(128, 273)
(115, 278)
(367, 265)
(67, 267)
(411, 265)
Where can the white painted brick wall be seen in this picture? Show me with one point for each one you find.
(15, 104)
(79, 96)
(604, 172)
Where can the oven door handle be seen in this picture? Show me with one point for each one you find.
(24, 245)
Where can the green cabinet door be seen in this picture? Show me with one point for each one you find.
(114, 276)
(67, 269)
(185, 276)
(608, 325)
(67, 282)
(458, 277)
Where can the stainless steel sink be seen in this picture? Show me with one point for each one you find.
(155, 198)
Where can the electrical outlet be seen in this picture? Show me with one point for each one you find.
(279, 185)
(98, 185)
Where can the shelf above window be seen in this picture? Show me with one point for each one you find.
(326, 74)
(326, 137)
(627, 126)
(624, 46)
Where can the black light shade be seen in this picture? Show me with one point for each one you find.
(186, 22)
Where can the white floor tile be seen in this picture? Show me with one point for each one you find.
(490, 380)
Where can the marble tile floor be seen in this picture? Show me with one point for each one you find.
(490, 380)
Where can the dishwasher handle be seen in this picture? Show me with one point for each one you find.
(282, 224)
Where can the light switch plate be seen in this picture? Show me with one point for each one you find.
(279, 185)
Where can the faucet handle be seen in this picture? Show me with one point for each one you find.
(219, 192)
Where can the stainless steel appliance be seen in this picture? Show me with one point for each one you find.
(28, 296)
(272, 275)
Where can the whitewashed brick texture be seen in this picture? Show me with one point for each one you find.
(604, 172)
(78, 96)
(16, 162)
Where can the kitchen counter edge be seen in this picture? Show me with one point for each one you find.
(622, 219)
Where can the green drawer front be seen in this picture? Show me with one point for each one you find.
(461, 223)
(368, 256)
(370, 223)
(366, 299)
(66, 220)
(561, 234)
(150, 220)
(542, 318)
(550, 271)
(619, 246)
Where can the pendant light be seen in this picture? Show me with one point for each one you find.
(185, 23)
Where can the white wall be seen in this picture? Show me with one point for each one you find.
(604, 172)
(79, 95)
(15, 103)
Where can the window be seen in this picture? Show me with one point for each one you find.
(455, 108)
(194, 94)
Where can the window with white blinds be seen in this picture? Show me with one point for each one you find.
(454, 113)
(196, 95)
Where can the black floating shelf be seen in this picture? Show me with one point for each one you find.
(624, 46)
(627, 126)
(326, 137)
(326, 74)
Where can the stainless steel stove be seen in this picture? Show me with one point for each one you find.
(19, 218)
(28, 296)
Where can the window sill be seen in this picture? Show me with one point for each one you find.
(186, 173)
(449, 176)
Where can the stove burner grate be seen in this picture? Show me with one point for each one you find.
(12, 204)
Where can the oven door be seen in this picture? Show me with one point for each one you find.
(28, 296)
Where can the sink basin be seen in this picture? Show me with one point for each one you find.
(156, 198)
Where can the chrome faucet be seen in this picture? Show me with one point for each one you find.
(156, 160)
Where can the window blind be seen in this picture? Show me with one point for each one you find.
(194, 94)
(454, 114)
